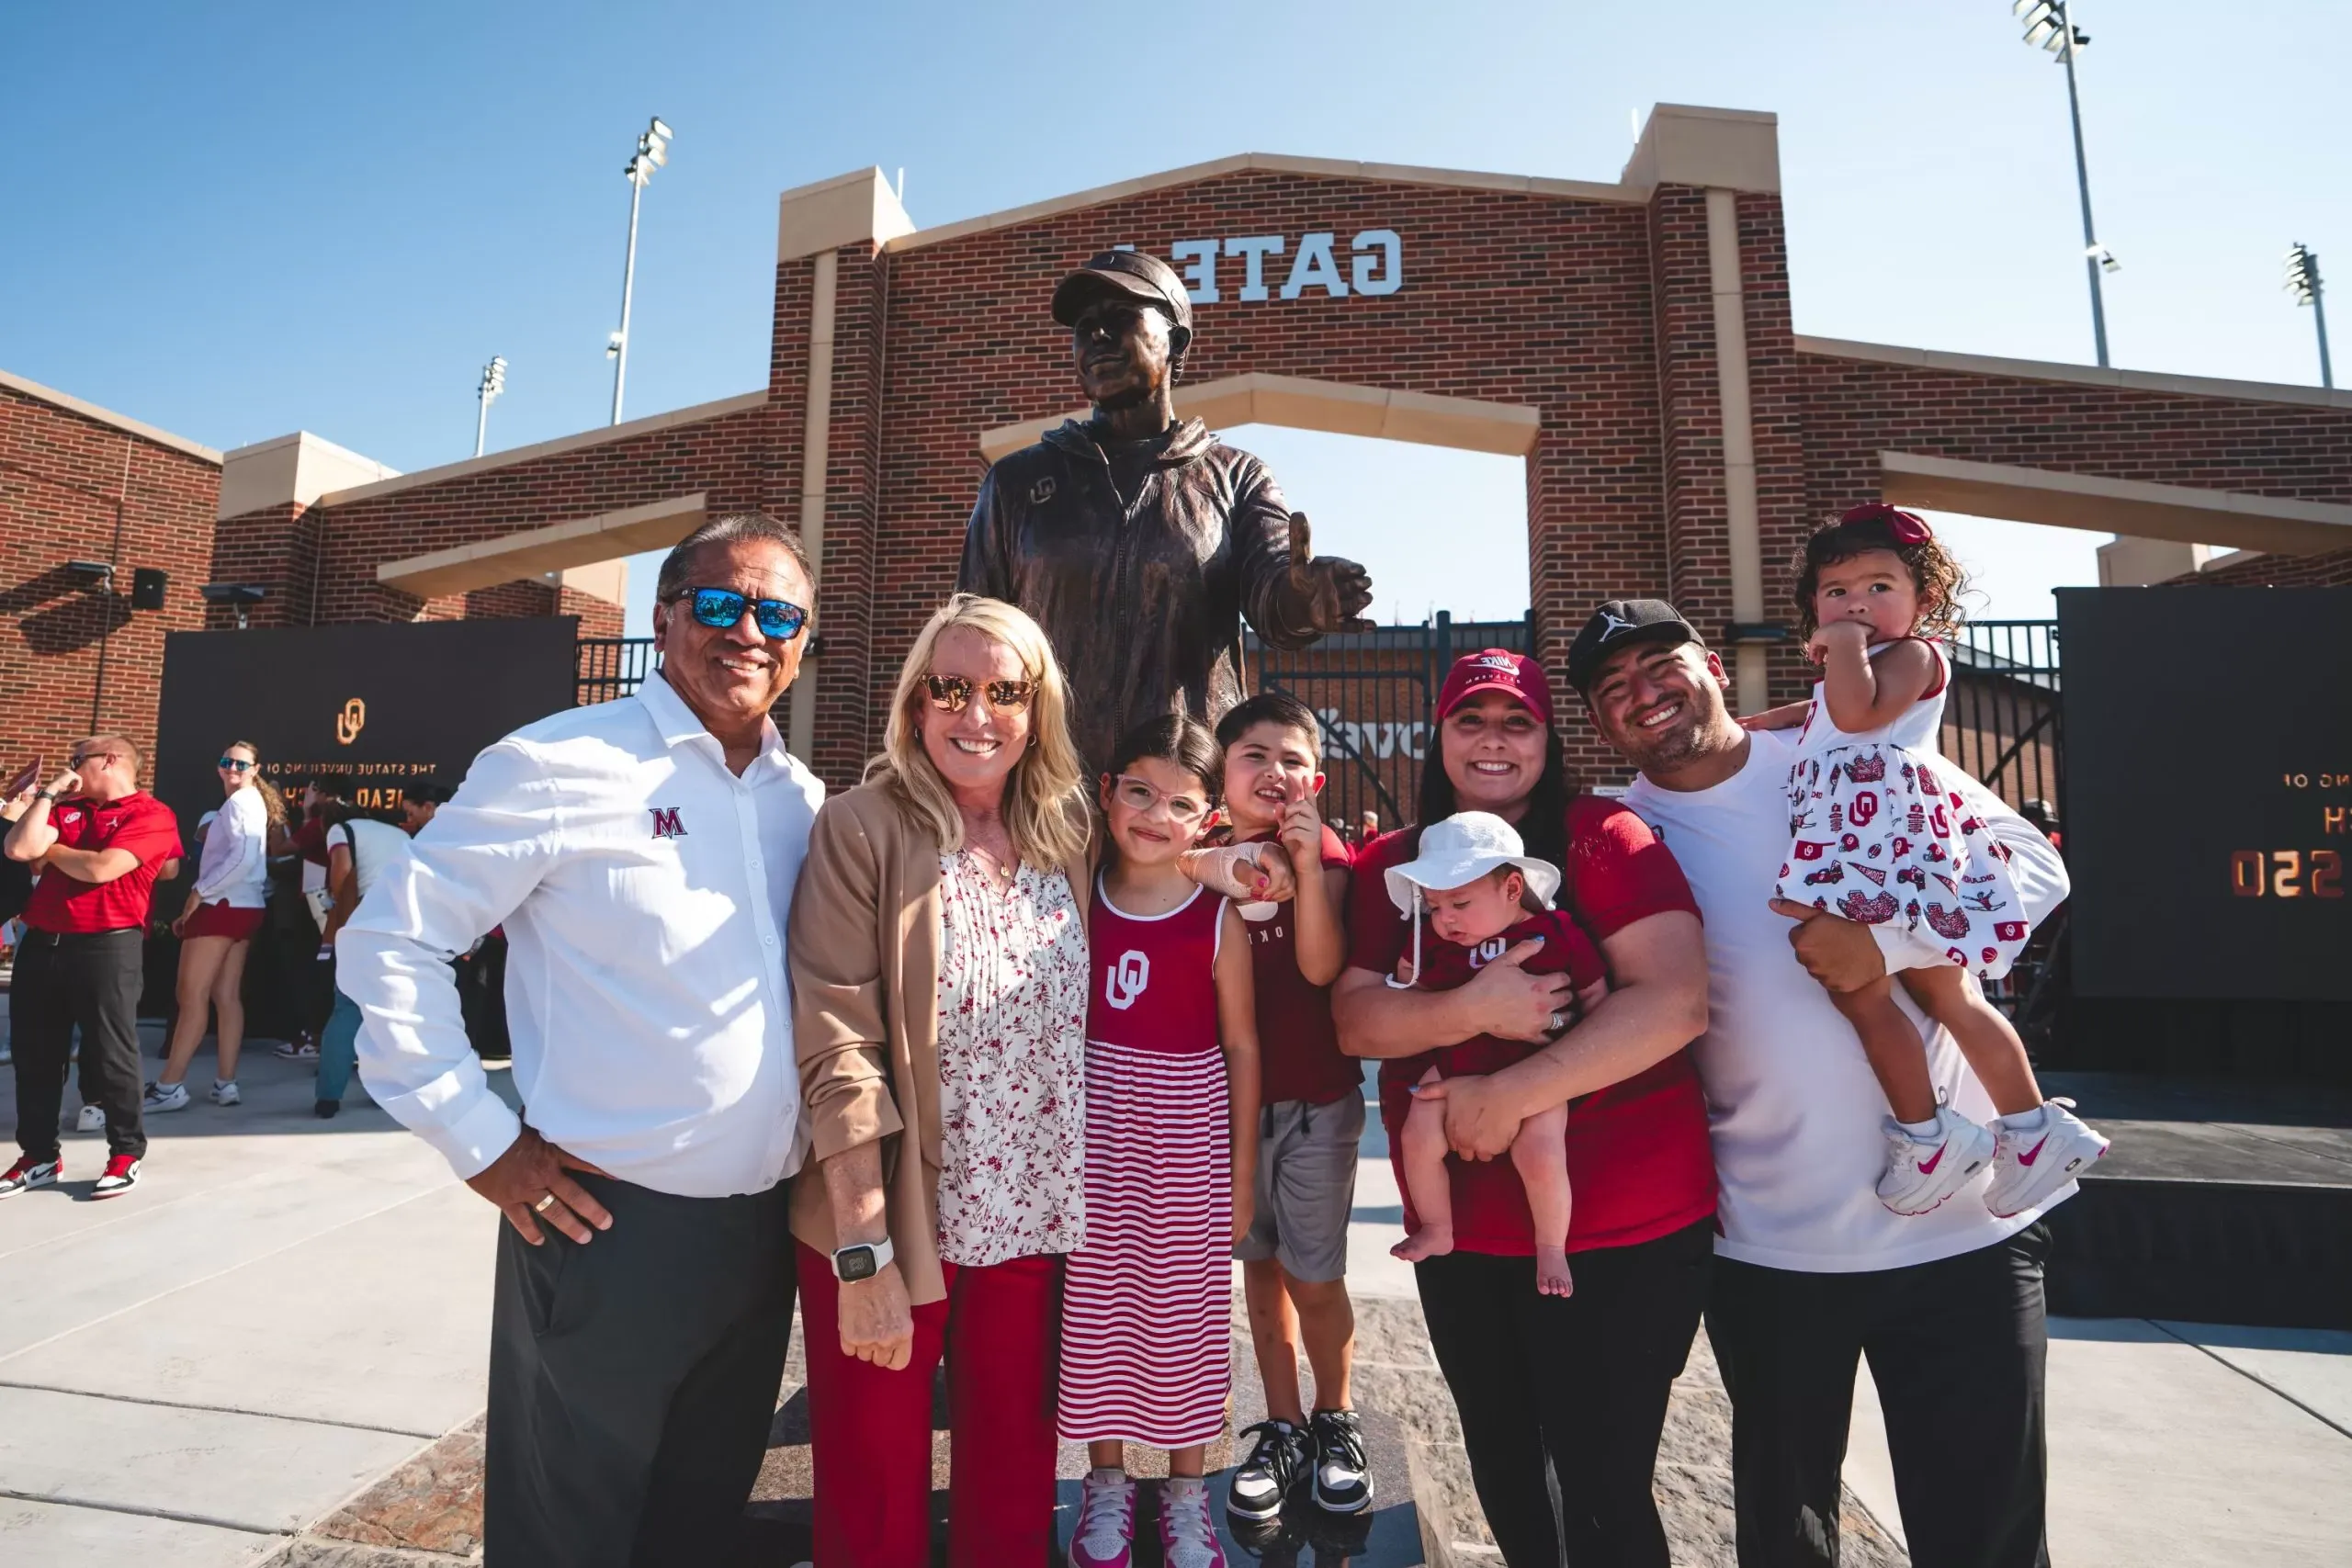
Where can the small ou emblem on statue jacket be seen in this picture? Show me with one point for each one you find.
(1125, 981)
(666, 822)
(1042, 492)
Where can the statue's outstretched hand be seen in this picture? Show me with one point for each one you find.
(1336, 593)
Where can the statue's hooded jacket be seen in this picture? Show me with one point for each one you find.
(1140, 561)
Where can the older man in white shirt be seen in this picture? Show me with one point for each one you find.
(641, 856)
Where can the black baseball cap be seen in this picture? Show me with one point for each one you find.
(1622, 620)
(1144, 279)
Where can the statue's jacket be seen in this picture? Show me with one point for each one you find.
(1140, 562)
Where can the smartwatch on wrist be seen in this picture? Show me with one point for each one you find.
(863, 1261)
(44, 794)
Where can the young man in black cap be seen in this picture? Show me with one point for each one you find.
(1139, 541)
(1812, 1272)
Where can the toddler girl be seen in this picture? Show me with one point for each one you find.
(1170, 1154)
(1485, 899)
(1881, 835)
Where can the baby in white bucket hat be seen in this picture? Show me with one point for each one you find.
(1486, 901)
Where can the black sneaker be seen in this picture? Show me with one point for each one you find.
(1342, 1482)
(1263, 1481)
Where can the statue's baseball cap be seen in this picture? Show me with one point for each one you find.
(1144, 279)
(1618, 623)
(1495, 669)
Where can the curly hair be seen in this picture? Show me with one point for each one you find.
(1935, 571)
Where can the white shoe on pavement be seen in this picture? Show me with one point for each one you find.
(163, 1097)
(1923, 1170)
(224, 1092)
(2033, 1160)
(92, 1120)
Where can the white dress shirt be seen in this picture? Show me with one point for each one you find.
(644, 890)
(1792, 1106)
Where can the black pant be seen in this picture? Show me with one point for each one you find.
(92, 980)
(1563, 1399)
(1956, 1348)
(633, 1381)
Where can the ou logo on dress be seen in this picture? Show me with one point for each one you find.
(1125, 981)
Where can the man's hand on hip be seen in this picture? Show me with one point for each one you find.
(528, 1184)
(876, 1324)
(1841, 954)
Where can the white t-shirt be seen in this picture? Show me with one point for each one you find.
(234, 867)
(1793, 1110)
(379, 845)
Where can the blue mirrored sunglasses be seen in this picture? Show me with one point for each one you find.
(719, 608)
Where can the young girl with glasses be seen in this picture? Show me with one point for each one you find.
(1171, 1109)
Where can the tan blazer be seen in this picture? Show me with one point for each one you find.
(865, 953)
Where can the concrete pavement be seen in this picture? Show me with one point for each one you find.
(285, 1309)
(282, 1311)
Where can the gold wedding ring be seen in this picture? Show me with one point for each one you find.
(544, 1205)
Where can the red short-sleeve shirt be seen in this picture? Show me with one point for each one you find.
(137, 822)
(1298, 1049)
(1638, 1152)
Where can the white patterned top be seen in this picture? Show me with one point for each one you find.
(1013, 980)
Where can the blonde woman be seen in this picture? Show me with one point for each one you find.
(939, 967)
(225, 908)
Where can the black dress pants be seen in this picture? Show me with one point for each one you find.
(633, 1381)
(90, 979)
(1563, 1399)
(1956, 1347)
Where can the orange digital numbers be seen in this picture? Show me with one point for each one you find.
(2287, 874)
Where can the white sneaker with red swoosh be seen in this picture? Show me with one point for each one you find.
(2034, 1161)
(1922, 1170)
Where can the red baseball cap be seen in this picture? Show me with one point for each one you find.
(1495, 669)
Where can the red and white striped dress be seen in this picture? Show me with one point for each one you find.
(1147, 1298)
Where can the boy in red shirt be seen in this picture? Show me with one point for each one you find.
(1474, 881)
(1294, 1257)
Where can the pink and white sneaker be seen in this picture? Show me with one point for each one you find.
(1922, 1170)
(1105, 1537)
(1187, 1538)
(2032, 1161)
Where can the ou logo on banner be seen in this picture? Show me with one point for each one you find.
(1125, 981)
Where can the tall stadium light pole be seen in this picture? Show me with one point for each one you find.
(653, 152)
(2302, 282)
(493, 381)
(2048, 26)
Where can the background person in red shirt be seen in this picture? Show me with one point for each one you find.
(99, 842)
(1568, 1386)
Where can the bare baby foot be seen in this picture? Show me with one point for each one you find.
(1552, 1273)
(1429, 1241)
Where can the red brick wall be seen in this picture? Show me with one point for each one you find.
(64, 480)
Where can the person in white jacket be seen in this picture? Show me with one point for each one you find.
(216, 930)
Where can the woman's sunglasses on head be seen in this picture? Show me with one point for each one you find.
(949, 693)
(719, 608)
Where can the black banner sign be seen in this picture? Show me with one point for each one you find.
(379, 706)
(2209, 791)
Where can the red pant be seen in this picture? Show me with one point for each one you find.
(870, 1428)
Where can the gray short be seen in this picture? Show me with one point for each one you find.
(1307, 1187)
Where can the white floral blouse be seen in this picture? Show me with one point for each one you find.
(1013, 979)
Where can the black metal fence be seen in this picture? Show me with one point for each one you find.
(2004, 723)
(1374, 692)
(612, 667)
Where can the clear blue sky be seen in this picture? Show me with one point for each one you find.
(238, 220)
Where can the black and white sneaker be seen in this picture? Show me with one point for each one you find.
(1263, 1481)
(1342, 1479)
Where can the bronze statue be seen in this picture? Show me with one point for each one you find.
(1138, 541)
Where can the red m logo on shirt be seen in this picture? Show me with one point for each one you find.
(666, 822)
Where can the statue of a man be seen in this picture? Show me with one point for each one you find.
(1139, 541)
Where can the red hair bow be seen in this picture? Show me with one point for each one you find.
(1907, 527)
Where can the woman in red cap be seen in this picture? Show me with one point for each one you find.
(1580, 1381)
